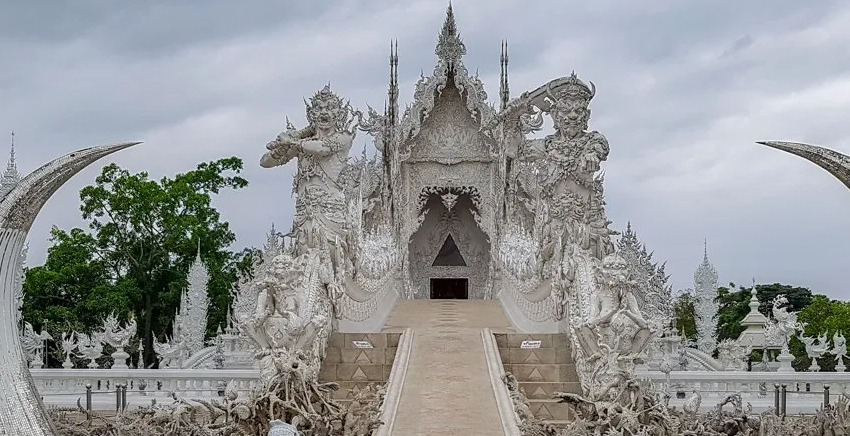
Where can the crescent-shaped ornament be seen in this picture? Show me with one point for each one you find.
(21, 409)
(836, 163)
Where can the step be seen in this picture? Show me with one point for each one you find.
(343, 394)
(547, 390)
(548, 355)
(548, 340)
(550, 410)
(375, 356)
(533, 372)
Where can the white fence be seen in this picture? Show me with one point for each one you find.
(805, 390)
(65, 387)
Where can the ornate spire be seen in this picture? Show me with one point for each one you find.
(504, 92)
(392, 109)
(450, 48)
(191, 322)
(10, 176)
(705, 292)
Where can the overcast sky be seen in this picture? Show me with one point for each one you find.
(684, 91)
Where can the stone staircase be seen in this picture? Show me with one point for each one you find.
(541, 371)
(448, 387)
(349, 365)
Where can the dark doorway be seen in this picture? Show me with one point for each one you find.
(450, 289)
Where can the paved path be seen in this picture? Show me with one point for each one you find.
(447, 390)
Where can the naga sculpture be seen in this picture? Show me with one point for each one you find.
(21, 411)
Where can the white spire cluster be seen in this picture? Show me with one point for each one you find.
(10, 176)
(190, 323)
(705, 306)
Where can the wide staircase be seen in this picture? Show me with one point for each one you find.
(447, 388)
(443, 356)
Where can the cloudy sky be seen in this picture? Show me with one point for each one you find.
(684, 91)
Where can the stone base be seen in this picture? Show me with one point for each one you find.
(785, 358)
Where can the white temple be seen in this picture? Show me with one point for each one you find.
(460, 203)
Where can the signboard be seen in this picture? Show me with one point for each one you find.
(362, 344)
(530, 344)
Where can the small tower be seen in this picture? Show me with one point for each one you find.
(10, 176)
(191, 319)
(705, 292)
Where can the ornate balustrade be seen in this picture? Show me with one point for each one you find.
(804, 389)
(188, 383)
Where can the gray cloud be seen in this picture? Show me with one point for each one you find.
(684, 91)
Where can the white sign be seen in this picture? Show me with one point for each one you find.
(362, 344)
(530, 344)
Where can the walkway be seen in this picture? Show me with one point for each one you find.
(447, 390)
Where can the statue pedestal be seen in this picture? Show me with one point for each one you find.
(120, 359)
(814, 367)
(785, 358)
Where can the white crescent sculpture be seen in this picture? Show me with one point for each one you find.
(836, 163)
(21, 411)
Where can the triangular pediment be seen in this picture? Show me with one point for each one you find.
(449, 254)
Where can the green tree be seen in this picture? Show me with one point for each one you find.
(684, 314)
(822, 316)
(73, 290)
(145, 235)
(734, 304)
(149, 232)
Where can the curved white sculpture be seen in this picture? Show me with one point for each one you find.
(21, 412)
(836, 163)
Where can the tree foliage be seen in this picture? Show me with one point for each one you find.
(822, 316)
(145, 235)
(74, 289)
(684, 313)
(734, 304)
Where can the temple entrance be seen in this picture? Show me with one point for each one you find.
(449, 289)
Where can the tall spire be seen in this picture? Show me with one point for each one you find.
(392, 93)
(10, 176)
(450, 48)
(706, 308)
(504, 92)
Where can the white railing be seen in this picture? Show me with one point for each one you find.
(804, 389)
(63, 387)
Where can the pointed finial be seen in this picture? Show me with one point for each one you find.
(198, 256)
(450, 48)
(705, 249)
(12, 153)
